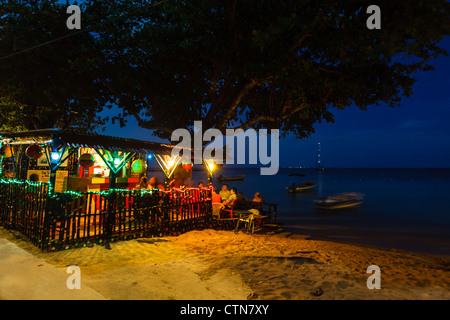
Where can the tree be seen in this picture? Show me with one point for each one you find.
(273, 64)
(231, 63)
(54, 83)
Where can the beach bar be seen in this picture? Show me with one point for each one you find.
(65, 189)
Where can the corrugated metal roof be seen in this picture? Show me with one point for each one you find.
(74, 138)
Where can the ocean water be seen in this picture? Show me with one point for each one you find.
(403, 208)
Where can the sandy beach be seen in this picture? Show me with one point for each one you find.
(223, 265)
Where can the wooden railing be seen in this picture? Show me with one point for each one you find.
(68, 220)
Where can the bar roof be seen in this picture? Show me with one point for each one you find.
(76, 138)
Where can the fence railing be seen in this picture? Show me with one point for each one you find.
(22, 208)
(68, 220)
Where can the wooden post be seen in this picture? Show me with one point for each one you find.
(110, 215)
(209, 178)
(1, 160)
(15, 156)
(112, 179)
(53, 164)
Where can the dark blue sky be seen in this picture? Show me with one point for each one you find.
(415, 135)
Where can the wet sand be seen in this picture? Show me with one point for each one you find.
(223, 265)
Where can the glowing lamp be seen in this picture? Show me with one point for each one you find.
(138, 166)
(34, 152)
(116, 161)
(170, 163)
(55, 156)
(149, 156)
(211, 166)
(86, 160)
(187, 165)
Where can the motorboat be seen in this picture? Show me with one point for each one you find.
(235, 178)
(302, 187)
(340, 201)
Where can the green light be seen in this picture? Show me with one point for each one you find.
(138, 166)
(73, 193)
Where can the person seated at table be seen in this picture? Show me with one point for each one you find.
(241, 202)
(142, 184)
(200, 185)
(160, 186)
(216, 198)
(245, 204)
(257, 202)
(231, 198)
(257, 197)
(225, 193)
(153, 183)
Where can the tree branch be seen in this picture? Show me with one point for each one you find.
(299, 44)
(146, 124)
(332, 72)
(268, 118)
(243, 92)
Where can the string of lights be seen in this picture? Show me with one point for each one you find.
(73, 193)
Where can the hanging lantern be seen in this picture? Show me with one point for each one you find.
(86, 160)
(170, 161)
(187, 165)
(34, 152)
(211, 165)
(138, 166)
(6, 152)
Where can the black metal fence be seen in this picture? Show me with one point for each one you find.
(22, 208)
(69, 220)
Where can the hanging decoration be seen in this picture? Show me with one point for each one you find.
(187, 165)
(138, 166)
(167, 163)
(6, 152)
(34, 152)
(210, 165)
(86, 160)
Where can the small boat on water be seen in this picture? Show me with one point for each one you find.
(235, 178)
(340, 201)
(302, 187)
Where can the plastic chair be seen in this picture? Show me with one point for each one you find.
(217, 209)
(230, 211)
(249, 223)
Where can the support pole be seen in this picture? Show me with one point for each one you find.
(1, 160)
(53, 164)
(112, 179)
(112, 197)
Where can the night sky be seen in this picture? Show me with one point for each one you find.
(416, 135)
